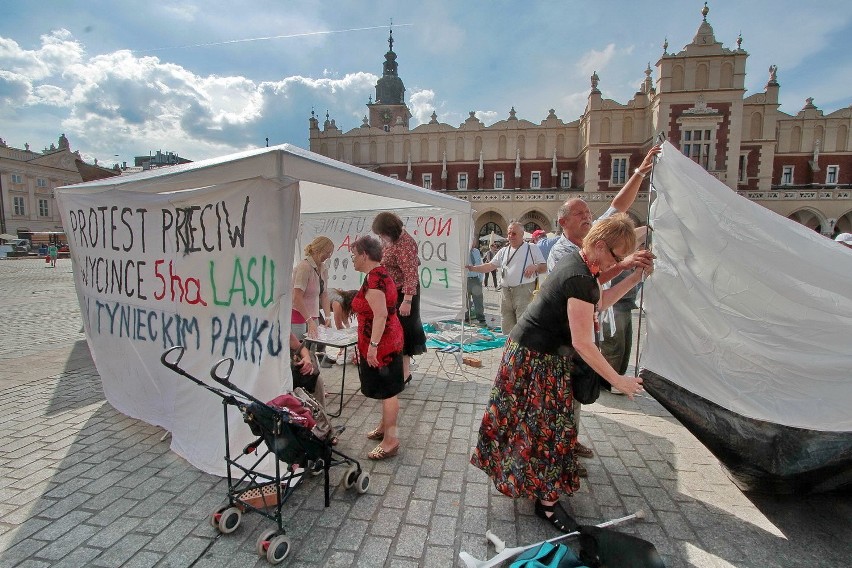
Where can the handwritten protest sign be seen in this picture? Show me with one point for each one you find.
(437, 234)
(196, 269)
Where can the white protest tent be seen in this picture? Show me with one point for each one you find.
(201, 255)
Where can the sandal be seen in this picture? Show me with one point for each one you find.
(583, 451)
(375, 435)
(379, 453)
(558, 517)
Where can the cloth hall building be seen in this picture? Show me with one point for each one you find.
(799, 166)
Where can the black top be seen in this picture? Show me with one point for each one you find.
(544, 325)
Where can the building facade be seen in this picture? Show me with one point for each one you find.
(799, 166)
(27, 181)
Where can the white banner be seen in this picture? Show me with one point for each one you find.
(437, 232)
(208, 269)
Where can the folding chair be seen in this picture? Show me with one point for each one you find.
(454, 353)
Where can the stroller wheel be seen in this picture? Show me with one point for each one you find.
(350, 476)
(279, 548)
(363, 482)
(263, 541)
(229, 520)
(214, 518)
(316, 467)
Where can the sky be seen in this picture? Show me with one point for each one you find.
(208, 78)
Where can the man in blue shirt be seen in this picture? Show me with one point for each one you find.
(474, 287)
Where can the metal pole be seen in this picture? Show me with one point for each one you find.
(659, 139)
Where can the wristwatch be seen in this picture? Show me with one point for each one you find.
(637, 172)
(374, 344)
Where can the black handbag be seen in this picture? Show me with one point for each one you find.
(585, 382)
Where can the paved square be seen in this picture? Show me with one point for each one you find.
(83, 485)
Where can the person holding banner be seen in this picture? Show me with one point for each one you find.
(527, 439)
(309, 288)
(380, 342)
(400, 257)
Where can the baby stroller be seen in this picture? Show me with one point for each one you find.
(291, 435)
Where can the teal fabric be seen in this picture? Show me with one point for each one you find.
(548, 555)
(493, 343)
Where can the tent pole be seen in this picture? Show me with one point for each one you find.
(659, 140)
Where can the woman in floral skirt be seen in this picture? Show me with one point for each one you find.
(527, 437)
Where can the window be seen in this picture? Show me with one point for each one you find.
(18, 206)
(619, 171)
(696, 146)
(387, 128)
(17, 178)
(43, 210)
(742, 169)
(427, 181)
(498, 180)
(535, 180)
(787, 175)
(565, 180)
(832, 173)
(41, 182)
(394, 176)
(462, 181)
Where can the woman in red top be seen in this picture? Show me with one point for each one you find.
(380, 338)
(400, 256)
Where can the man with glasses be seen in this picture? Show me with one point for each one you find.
(519, 264)
(575, 218)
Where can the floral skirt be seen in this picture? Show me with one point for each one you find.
(527, 437)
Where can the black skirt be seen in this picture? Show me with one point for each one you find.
(414, 338)
(381, 382)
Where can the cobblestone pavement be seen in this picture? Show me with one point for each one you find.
(83, 485)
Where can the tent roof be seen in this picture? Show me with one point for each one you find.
(317, 176)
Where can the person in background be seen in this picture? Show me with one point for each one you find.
(400, 257)
(474, 288)
(487, 257)
(53, 253)
(618, 342)
(304, 371)
(844, 239)
(546, 243)
(519, 264)
(380, 342)
(341, 309)
(309, 293)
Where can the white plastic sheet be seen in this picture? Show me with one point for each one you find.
(746, 308)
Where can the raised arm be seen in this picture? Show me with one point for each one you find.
(630, 190)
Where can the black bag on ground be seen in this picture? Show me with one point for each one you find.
(585, 382)
(606, 548)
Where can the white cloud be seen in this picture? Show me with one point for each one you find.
(49, 95)
(185, 12)
(58, 49)
(594, 60)
(14, 88)
(422, 105)
(487, 117)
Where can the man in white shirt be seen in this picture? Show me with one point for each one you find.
(519, 264)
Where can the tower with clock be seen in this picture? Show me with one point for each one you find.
(389, 108)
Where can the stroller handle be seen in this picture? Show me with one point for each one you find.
(218, 375)
(172, 362)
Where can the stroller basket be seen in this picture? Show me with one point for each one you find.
(290, 436)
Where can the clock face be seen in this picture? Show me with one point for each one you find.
(386, 115)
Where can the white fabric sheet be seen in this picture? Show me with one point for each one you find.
(746, 308)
